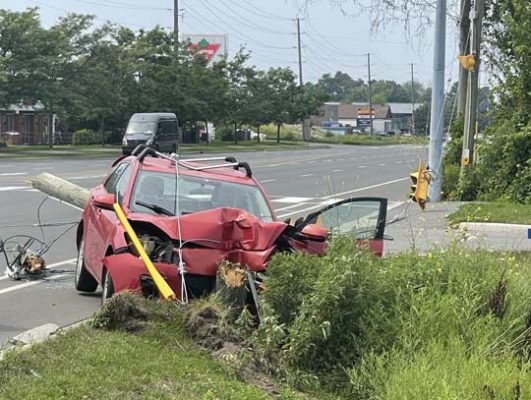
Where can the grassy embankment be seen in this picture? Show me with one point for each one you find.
(509, 213)
(452, 324)
(113, 150)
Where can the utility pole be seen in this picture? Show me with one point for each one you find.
(464, 48)
(412, 102)
(476, 21)
(370, 91)
(437, 102)
(299, 49)
(176, 23)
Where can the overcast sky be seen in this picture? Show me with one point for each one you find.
(332, 41)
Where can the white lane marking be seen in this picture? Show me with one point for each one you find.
(382, 164)
(305, 175)
(11, 188)
(337, 170)
(362, 166)
(14, 174)
(79, 178)
(32, 283)
(64, 202)
(290, 207)
(292, 199)
(51, 266)
(294, 163)
(327, 198)
(267, 180)
(398, 162)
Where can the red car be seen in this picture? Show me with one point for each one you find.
(194, 214)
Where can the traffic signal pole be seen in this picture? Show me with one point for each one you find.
(476, 20)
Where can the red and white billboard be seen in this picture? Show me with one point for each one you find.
(213, 47)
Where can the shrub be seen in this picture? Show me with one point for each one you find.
(451, 324)
(3, 143)
(85, 136)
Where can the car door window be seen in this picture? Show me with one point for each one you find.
(360, 218)
(116, 183)
(168, 129)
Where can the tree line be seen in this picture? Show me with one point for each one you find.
(96, 77)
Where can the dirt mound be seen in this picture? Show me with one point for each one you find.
(123, 311)
(207, 325)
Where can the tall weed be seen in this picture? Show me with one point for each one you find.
(450, 324)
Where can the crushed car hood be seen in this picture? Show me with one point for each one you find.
(221, 233)
(225, 227)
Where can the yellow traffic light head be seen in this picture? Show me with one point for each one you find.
(419, 190)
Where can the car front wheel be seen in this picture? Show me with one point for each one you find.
(107, 286)
(84, 281)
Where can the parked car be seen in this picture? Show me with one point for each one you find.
(157, 130)
(204, 213)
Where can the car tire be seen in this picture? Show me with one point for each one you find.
(107, 286)
(83, 280)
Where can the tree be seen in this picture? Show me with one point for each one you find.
(507, 28)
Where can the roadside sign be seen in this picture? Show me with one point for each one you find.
(213, 47)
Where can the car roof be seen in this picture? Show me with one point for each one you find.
(151, 117)
(223, 173)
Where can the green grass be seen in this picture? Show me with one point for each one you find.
(115, 150)
(453, 324)
(157, 363)
(369, 140)
(492, 212)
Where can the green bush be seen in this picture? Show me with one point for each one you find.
(3, 143)
(287, 132)
(505, 159)
(85, 136)
(450, 324)
(450, 181)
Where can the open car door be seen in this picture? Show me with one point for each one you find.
(362, 218)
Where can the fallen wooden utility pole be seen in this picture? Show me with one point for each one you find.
(61, 189)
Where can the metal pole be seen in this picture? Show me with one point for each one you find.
(476, 19)
(464, 48)
(299, 48)
(176, 23)
(412, 102)
(370, 91)
(437, 102)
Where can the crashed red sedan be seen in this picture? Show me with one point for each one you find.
(195, 214)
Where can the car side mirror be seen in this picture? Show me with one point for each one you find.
(314, 232)
(105, 201)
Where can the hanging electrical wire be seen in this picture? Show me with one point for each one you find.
(123, 6)
(235, 32)
(240, 21)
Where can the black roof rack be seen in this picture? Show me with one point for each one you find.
(142, 151)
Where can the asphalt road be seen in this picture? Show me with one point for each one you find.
(298, 182)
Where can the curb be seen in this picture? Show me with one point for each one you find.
(39, 334)
(26, 339)
(495, 227)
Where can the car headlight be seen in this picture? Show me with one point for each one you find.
(124, 141)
